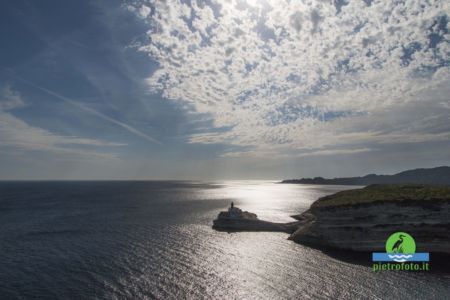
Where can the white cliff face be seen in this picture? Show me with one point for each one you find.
(366, 227)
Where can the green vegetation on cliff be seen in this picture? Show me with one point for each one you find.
(382, 193)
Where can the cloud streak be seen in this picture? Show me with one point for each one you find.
(18, 137)
(91, 111)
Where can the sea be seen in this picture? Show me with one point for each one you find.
(153, 240)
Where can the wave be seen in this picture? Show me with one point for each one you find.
(400, 257)
(57, 232)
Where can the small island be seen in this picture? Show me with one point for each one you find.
(237, 220)
(361, 219)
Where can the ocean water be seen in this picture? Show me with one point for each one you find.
(153, 240)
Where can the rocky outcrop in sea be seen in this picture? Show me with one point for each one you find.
(237, 220)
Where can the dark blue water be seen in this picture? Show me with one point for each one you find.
(146, 240)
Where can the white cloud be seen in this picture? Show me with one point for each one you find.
(277, 155)
(9, 99)
(292, 76)
(92, 111)
(144, 11)
(21, 137)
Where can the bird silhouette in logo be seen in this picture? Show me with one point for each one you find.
(398, 246)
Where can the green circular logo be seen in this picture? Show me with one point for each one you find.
(400, 242)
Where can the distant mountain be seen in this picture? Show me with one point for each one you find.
(439, 175)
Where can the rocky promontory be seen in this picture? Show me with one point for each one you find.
(237, 220)
(362, 219)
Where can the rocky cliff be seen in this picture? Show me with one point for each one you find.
(363, 219)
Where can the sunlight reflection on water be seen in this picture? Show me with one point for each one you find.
(271, 200)
(147, 240)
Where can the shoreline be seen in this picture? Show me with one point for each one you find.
(360, 220)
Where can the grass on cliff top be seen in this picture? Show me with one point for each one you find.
(391, 192)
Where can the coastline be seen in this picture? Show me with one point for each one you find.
(360, 220)
(433, 176)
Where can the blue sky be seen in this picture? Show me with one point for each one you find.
(222, 89)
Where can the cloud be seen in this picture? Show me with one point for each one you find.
(279, 76)
(277, 155)
(92, 111)
(334, 152)
(20, 138)
(144, 11)
(10, 99)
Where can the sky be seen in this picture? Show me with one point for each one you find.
(222, 89)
